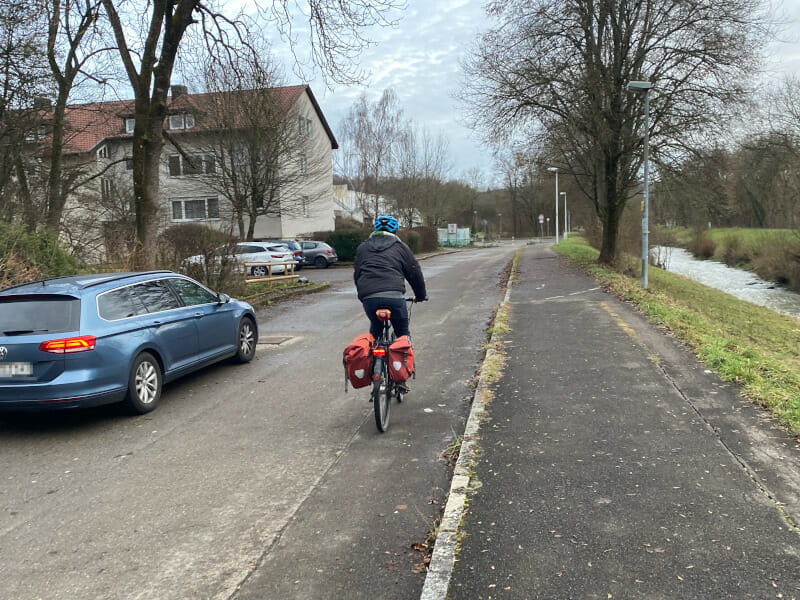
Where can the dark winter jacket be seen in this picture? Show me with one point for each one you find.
(382, 264)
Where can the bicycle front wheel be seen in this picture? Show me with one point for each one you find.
(381, 400)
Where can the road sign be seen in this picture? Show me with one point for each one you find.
(541, 218)
(452, 228)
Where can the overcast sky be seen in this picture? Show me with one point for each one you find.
(420, 57)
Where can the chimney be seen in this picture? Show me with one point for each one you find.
(41, 103)
(178, 91)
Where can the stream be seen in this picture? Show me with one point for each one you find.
(742, 284)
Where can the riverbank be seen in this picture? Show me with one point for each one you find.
(772, 254)
(744, 343)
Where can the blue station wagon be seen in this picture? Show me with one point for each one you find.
(86, 340)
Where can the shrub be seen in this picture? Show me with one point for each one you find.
(733, 251)
(188, 239)
(411, 238)
(702, 246)
(27, 256)
(346, 241)
(428, 238)
(779, 262)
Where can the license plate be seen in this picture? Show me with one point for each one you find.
(16, 369)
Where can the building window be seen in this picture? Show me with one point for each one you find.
(304, 126)
(106, 189)
(36, 134)
(182, 121)
(303, 164)
(196, 164)
(102, 152)
(130, 122)
(304, 200)
(128, 163)
(195, 209)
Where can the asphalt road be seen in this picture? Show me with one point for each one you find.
(257, 481)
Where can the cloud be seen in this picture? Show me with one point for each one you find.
(419, 60)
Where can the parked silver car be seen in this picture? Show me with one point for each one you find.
(253, 252)
(319, 254)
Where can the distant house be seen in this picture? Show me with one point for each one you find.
(100, 141)
(360, 206)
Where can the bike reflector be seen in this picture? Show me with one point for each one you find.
(384, 314)
(379, 351)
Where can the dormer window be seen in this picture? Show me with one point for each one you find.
(130, 122)
(102, 152)
(183, 121)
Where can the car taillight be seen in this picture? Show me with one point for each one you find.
(329, 251)
(277, 255)
(69, 345)
(297, 253)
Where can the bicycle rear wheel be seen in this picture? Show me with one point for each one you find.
(382, 402)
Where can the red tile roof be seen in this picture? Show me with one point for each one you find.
(89, 124)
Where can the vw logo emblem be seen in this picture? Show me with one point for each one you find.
(3, 352)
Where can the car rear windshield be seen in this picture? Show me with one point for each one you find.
(20, 315)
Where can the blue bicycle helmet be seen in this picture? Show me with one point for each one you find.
(386, 223)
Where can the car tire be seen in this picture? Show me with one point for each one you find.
(260, 271)
(320, 262)
(246, 340)
(144, 384)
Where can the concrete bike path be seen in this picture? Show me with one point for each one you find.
(611, 464)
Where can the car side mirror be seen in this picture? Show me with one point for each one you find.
(223, 298)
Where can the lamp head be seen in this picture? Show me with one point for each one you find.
(639, 85)
(553, 169)
(562, 194)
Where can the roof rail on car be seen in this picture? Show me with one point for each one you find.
(121, 276)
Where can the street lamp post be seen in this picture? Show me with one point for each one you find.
(499, 226)
(645, 87)
(566, 223)
(555, 170)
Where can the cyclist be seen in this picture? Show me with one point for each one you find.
(383, 263)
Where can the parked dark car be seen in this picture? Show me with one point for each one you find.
(319, 254)
(296, 249)
(86, 340)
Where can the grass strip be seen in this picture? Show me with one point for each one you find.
(750, 345)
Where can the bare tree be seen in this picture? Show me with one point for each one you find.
(559, 70)
(335, 31)
(72, 42)
(421, 166)
(369, 136)
(264, 155)
(24, 80)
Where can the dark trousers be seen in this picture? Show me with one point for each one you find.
(399, 315)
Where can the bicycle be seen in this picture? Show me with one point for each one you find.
(383, 388)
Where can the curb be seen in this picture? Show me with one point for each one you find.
(440, 569)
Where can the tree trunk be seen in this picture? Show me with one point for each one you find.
(56, 195)
(611, 210)
(29, 214)
(146, 162)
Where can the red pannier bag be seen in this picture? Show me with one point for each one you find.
(401, 359)
(357, 361)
